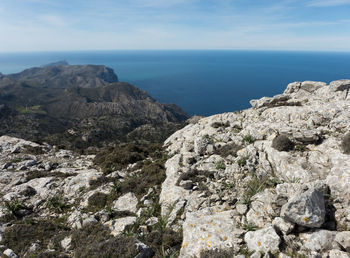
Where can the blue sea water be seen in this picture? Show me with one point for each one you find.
(201, 82)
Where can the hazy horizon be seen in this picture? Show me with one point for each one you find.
(282, 25)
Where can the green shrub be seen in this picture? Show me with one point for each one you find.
(96, 241)
(57, 204)
(15, 207)
(282, 143)
(220, 165)
(97, 201)
(249, 139)
(242, 161)
(229, 149)
(220, 124)
(20, 236)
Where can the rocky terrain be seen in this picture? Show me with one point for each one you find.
(269, 181)
(79, 106)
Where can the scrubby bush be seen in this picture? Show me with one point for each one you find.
(282, 143)
(96, 241)
(97, 201)
(249, 139)
(345, 144)
(21, 235)
(229, 149)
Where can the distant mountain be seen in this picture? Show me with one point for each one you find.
(84, 102)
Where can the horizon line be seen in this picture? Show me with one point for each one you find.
(160, 50)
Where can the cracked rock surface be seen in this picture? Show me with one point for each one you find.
(280, 167)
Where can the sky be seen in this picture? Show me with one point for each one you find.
(61, 25)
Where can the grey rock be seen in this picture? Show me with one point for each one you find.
(340, 85)
(307, 209)
(343, 239)
(89, 221)
(311, 86)
(10, 253)
(117, 226)
(127, 202)
(265, 240)
(338, 254)
(207, 229)
(318, 241)
(66, 243)
(241, 209)
(144, 250)
(282, 225)
(200, 145)
(151, 221)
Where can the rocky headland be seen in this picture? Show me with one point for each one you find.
(269, 181)
(81, 106)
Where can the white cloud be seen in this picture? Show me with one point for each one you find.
(326, 3)
(53, 20)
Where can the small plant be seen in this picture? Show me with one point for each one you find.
(246, 200)
(116, 187)
(181, 161)
(301, 148)
(16, 160)
(228, 186)
(14, 206)
(282, 143)
(249, 227)
(254, 186)
(209, 138)
(57, 203)
(220, 165)
(220, 124)
(242, 161)
(237, 128)
(248, 139)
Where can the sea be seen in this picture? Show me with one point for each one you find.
(201, 82)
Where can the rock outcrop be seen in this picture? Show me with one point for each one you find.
(280, 169)
(272, 179)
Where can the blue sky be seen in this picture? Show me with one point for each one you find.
(45, 25)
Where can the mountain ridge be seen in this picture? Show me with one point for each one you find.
(61, 97)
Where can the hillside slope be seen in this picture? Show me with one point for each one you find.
(84, 103)
(273, 178)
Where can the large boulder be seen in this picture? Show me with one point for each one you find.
(307, 209)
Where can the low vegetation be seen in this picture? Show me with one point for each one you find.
(282, 143)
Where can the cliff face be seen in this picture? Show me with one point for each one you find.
(46, 102)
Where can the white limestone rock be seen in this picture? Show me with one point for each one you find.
(263, 209)
(343, 240)
(66, 243)
(307, 209)
(282, 225)
(127, 202)
(318, 241)
(10, 253)
(117, 226)
(338, 254)
(209, 230)
(265, 240)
